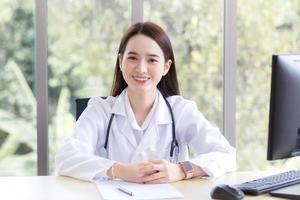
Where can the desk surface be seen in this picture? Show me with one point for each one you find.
(58, 187)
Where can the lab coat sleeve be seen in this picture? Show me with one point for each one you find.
(214, 155)
(77, 157)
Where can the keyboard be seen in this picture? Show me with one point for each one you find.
(270, 183)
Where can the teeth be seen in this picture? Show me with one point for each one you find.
(141, 78)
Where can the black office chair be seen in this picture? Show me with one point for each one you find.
(81, 104)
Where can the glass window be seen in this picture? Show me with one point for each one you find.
(264, 28)
(196, 32)
(83, 42)
(17, 99)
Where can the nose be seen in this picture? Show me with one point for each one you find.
(142, 66)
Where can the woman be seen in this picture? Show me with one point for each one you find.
(143, 131)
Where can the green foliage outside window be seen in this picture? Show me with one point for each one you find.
(83, 40)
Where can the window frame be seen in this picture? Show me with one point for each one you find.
(41, 62)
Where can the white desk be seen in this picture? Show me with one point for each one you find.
(64, 188)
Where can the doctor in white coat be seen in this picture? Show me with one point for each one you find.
(143, 132)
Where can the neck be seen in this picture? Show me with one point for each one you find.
(141, 104)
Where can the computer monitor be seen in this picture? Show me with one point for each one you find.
(284, 121)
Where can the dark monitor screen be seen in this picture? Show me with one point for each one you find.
(284, 121)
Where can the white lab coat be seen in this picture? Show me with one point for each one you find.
(82, 156)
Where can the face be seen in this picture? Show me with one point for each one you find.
(143, 64)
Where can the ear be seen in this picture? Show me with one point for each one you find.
(120, 61)
(167, 66)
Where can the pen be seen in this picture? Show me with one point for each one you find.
(124, 190)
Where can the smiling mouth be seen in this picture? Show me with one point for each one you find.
(140, 78)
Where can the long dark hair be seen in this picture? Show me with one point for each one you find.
(168, 84)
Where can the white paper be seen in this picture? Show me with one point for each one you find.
(109, 190)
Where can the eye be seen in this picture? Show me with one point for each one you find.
(152, 60)
(131, 58)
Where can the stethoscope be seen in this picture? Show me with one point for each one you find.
(174, 150)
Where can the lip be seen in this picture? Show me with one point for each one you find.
(141, 79)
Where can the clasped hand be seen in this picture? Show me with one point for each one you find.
(151, 171)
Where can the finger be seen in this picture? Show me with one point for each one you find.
(144, 165)
(147, 171)
(152, 168)
(153, 177)
(144, 170)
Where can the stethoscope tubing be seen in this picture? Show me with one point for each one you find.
(174, 143)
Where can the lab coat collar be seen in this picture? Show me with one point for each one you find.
(162, 114)
(119, 109)
(119, 105)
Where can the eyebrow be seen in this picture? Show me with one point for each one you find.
(151, 55)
